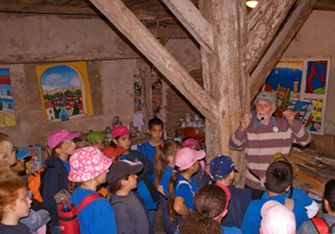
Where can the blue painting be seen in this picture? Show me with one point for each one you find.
(7, 117)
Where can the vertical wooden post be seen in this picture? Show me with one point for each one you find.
(225, 79)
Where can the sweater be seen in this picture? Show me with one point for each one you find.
(261, 142)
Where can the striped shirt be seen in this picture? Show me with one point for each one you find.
(262, 141)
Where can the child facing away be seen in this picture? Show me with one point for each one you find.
(181, 187)
(279, 178)
(223, 171)
(14, 205)
(328, 216)
(61, 144)
(297, 194)
(145, 189)
(131, 216)
(277, 219)
(163, 166)
(89, 168)
(210, 207)
(97, 139)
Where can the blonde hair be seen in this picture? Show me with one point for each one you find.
(6, 147)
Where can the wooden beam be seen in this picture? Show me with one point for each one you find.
(127, 23)
(264, 30)
(325, 5)
(193, 21)
(278, 47)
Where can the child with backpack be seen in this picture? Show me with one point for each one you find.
(14, 205)
(279, 177)
(325, 223)
(181, 187)
(89, 167)
(60, 142)
(145, 188)
(131, 216)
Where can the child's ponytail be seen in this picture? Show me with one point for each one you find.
(172, 184)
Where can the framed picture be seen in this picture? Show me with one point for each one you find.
(7, 117)
(64, 90)
(301, 84)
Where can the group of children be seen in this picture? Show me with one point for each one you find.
(194, 196)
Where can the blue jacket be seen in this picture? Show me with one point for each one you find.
(54, 180)
(252, 218)
(97, 217)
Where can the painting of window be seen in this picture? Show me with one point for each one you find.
(65, 91)
(7, 117)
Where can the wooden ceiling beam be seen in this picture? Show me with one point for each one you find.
(265, 29)
(326, 5)
(193, 21)
(279, 45)
(127, 23)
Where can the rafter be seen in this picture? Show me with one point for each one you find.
(127, 23)
(193, 21)
(264, 30)
(278, 47)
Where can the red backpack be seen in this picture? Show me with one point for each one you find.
(67, 216)
(322, 226)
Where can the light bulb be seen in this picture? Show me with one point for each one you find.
(252, 4)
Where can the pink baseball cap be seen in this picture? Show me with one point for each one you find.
(59, 136)
(276, 216)
(191, 143)
(87, 163)
(119, 131)
(186, 157)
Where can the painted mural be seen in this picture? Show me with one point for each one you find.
(65, 91)
(7, 117)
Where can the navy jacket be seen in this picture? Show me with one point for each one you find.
(54, 180)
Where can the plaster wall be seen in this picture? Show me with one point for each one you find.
(316, 38)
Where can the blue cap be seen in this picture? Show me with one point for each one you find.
(21, 154)
(221, 166)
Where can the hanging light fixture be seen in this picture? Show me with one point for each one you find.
(252, 3)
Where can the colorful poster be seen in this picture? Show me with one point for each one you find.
(7, 117)
(316, 77)
(65, 91)
(301, 84)
(287, 74)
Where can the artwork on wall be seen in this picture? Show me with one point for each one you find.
(301, 85)
(35, 161)
(64, 90)
(157, 94)
(7, 117)
(138, 93)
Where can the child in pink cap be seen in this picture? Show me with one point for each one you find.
(61, 145)
(182, 188)
(89, 167)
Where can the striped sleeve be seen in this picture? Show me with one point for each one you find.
(238, 140)
(301, 135)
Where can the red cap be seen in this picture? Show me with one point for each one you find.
(113, 153)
